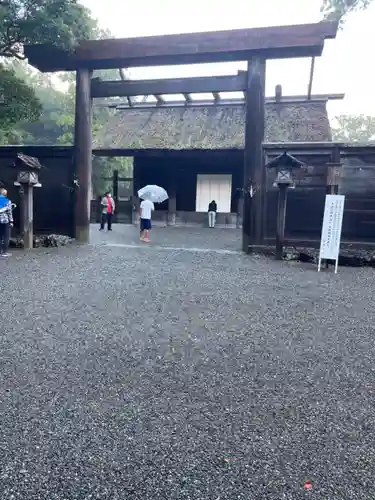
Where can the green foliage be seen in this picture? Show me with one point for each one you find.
(103, 169)
(18, 101)
(354, 128)
(336, 10)
(55, 124)
(53, 105)
(60, 22)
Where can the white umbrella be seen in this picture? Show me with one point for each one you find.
(154, 193)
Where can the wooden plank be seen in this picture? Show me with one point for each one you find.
(304, 40)
(118, 88)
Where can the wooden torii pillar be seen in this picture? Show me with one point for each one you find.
(83, 154)
(252, 224)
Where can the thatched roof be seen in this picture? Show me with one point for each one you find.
(211, 126)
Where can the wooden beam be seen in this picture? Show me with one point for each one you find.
(159, 99)
(237, 101)
(122, 74)
(278, 93)
(304, 40)
(118, 88)
(312, 67)
(83, 155)
(242, 72)
(254, 175)
(123, 78)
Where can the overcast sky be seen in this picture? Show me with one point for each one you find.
(343, 68)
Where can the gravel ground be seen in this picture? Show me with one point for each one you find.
(142, 373)
(174, 237)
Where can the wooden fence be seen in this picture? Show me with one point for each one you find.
(54, 201)
(305, 204)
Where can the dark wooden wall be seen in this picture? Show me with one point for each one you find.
(305, 205)
(358, 185)
(53, 202)
(182, 170)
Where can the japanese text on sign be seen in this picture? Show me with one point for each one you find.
(332, 226)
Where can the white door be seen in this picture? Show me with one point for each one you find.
(216, 187)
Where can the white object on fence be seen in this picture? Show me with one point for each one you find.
(331, 230)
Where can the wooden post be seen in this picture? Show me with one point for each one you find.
(252, 226)
(115, 192)
(28, 218)
(334, 171)
(83, 154)
(239, 217)
(333, 176)
(281, 213)
(136, 206)
(135, 200)
(172, 202)
(22, 210)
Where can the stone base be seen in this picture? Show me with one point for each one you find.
(352, 257)
(50, 240)
(261, 250)
(135, 218)
(171, 219)
(193, 219)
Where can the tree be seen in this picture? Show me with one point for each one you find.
(336, 10)
(354, 128)
(17, 102)
(59, 22)
(55, 124)
(102, 172)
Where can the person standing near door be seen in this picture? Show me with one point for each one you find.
(212, 209)
(6, 222)
(108, 208)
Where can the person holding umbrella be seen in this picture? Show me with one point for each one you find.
(149, 195)
(145, 211)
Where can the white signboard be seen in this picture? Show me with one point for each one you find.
(331, 230)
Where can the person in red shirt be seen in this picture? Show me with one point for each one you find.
(108, 209)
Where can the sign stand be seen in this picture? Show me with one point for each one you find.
(331, 230)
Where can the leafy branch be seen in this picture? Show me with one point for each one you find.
(336, 10)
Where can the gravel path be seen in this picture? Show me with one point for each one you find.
(175, 237)
(145, 373)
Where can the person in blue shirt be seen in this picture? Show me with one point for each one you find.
(6, 222)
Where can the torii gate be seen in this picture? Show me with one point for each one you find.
(252, 45)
